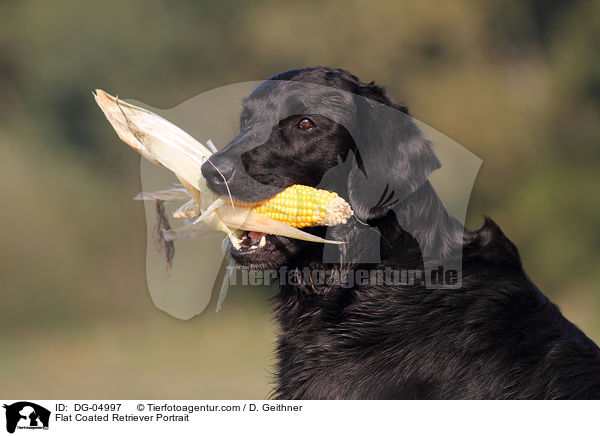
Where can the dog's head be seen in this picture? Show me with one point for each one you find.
(324, 128)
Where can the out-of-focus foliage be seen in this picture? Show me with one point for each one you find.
(517, 83)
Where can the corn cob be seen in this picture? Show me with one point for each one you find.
(304, 206)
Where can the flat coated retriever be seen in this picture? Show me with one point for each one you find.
(486, 333)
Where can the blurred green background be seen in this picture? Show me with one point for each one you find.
(517, 83)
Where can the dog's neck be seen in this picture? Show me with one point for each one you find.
(419, 225)
(419, 234)
(423, 215)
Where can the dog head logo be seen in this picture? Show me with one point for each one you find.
(399, 176)
(26, 415)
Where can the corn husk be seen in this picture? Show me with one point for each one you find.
(187, 210)
(172, 194)
(166, 145)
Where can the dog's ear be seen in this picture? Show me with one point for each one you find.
(393, 158)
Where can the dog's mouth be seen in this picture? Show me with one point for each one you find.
(248, 242)
(256, 249)
(248, 246)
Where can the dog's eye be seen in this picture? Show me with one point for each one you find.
(305, 124)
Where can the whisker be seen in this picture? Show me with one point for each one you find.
(225, 180)
(364, 224)
(370, 228)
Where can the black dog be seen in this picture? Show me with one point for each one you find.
(488, 334)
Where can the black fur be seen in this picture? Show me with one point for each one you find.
(496, 336)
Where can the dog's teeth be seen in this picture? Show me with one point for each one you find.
(263, 241)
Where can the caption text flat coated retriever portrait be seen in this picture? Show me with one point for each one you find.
(490, 335)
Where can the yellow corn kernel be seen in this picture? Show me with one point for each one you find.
(304, 206)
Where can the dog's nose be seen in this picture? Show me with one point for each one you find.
(218, 172)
